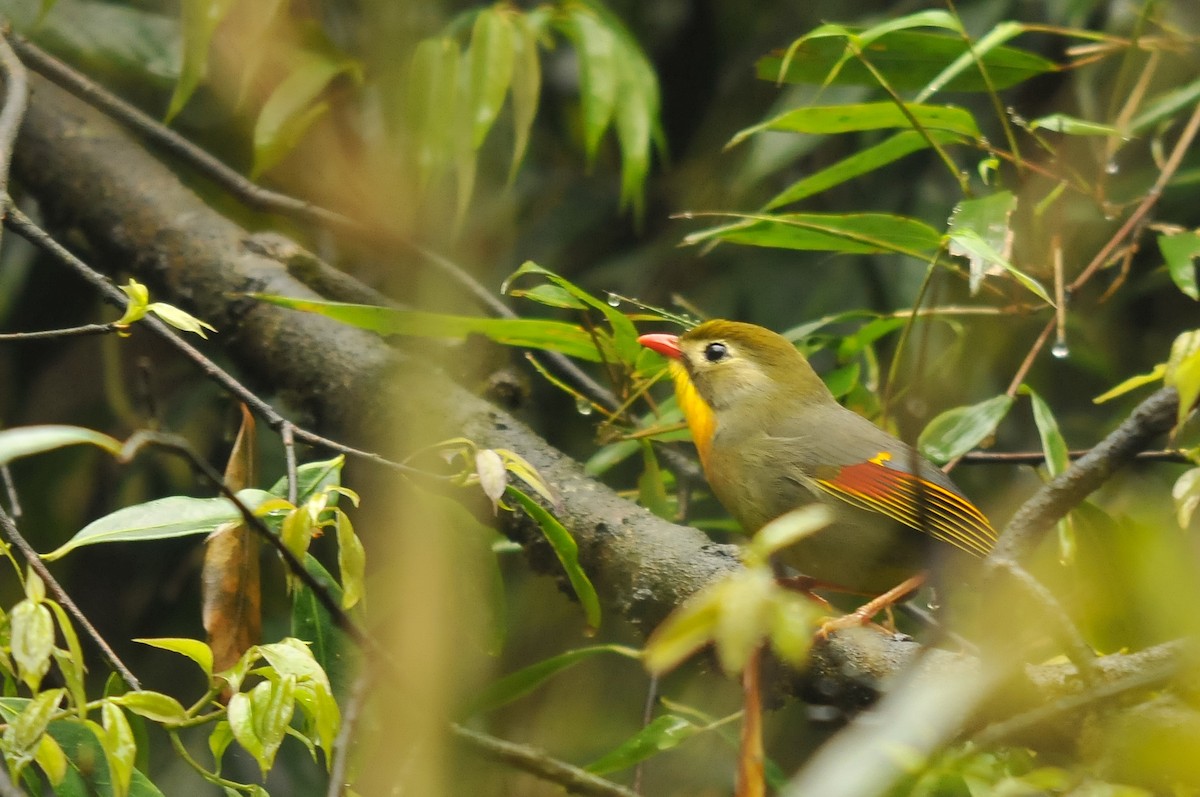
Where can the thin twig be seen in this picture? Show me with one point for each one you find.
(351, 711)
(66, 332)
(178, 445)
(10, 489)
(1148, 201)
(25, 227)
(16, 97)
(35, 562)
(537, 763)
(287, 432)
(1038, 457)
(152, 131)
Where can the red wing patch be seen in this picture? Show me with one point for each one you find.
(915, 502)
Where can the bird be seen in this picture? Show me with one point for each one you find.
(772, 438)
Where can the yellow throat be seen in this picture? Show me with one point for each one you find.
(701, 420)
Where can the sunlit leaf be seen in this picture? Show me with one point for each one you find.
(352, 562)
(956, 431)
(180, 319)
(194, 649)
(567, 552)
(1132, 383)
(120, 748)
(152, 705)
(851, 233)
(177, 516)
(24, 441)
(1183, 371)
(1180, 252)
(522, 682)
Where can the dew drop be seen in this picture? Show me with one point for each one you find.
(614, 300)
(933, 605)
(583, 406)
(1060, 349)
(1111, 167)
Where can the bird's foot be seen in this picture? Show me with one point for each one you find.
(864, 614)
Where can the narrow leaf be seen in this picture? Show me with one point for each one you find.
(596, 47)
(490, 59)
(850, 233)
(663, 733)
(567, 551)
(194, 649)
(24, 441)
(177, 516)
(823, 120)
(526, 332)
(520, 683)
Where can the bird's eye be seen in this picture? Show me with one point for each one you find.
(715, 351)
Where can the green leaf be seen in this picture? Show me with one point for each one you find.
(199, 21)
(24, 441)
(51, 758)
(490, 60)
(625, 334)
(530, 333)
(313, 478)
(88, 772)
(240, 714)
(1072, 126)
(177, 516)
(979, 230)
(636, 121)
(523, 681)
(596, 46)
(155, 706)
(295, 103)
(180, 319)
(862, 162)
(907, 60)
(432, 87)
(823, 120)
(1180, 252)
(567, 551)
(71, 660)
(194, 649)
(526, 88)
(851, 233)
(1165, 105)
(329, 646)
(957, 431)
(652, 494)
(663, 733)
(24, 731)
(1057, 461)
(549, 295)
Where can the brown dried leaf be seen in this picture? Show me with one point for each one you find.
(230, 580)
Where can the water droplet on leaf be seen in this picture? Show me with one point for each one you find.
(583, 406)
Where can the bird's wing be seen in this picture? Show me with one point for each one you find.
(875, 473)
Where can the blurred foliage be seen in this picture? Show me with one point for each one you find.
(913, 195)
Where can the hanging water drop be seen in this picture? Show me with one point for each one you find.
(613, 300)
(583, 406)
(1111, 167)
(1060, 349)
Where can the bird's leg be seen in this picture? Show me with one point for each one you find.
(806, 585)
(863, 614)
